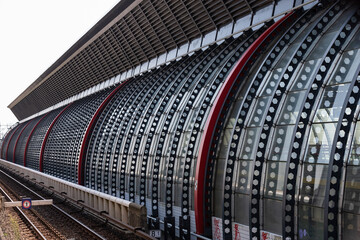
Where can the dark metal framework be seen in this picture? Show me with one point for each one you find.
(9, 153)
(308, 42)
(145, 29)
(244, 111)
(36, 138)
(21, 145)
(260, 133)
(69, 128)
(215, 127)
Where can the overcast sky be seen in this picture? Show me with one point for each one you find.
(34, 34)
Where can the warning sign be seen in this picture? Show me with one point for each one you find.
(269, 236)
(217, 228)
(240, 232)
(26, 203)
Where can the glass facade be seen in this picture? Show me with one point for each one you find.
(284, 139)
(284, 154)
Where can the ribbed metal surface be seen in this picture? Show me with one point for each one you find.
(23, 138)
(62, 148)
(286, 147)
(13, 141)
(36, 139)
(145, 141)
(148, 30)
(6, 141)
(284, 156)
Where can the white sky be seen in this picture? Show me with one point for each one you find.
(34, 34)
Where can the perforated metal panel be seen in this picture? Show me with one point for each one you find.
(13, 142)
(23, 140)
(6, 140)
(36, 139)
(124, 39)
(62, 147)
(285, 129)
(284, 156)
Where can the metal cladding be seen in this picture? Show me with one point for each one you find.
(65, 137)
(254, 137)
(131, 34)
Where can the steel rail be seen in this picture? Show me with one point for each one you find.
(56, 207)
(32, 225)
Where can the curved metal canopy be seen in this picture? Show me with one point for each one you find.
(132, 33)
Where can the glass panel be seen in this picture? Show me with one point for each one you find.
(320, 143)
(272, 82)
(259, 111)
(232, 118)
(291, 108)
(319, 50)
(244, 175)
(355, 148)
(218, 187)
(282, 142)
(241, 208)
(311, 223)
(307, 74)
(355, 42)
(313, 185)
(288, 55)
(184, 144)
(251, 138)
(275, 173)
(351, 226)
(162, 188)
(177, 193)
(332, 103)
(347, 67)
(343, 18)
(192, 182)
(225, 143)
(179, 168)
(352, 190)
(272, 218)
(218, 203)
(189, 125)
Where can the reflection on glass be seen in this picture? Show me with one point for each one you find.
(313, 185)
(288, 55)
(351, 223)
(311, 223)
(281, 143)
(272, 221)
(241, 207)
(320, 50)
(219, 186)
(306, 75)
(347, 67)
(332, 103)
(275, 175)
(244, 175)
(355, 42)
(272, 82)
(232, 117)
(291, 108)
(259, 111)
(355, 147)
(185, 143)
(251, 138)
(320, 143)
(225, 143)
(352, 190)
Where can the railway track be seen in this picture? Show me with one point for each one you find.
(31, 225)
(47, 222)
